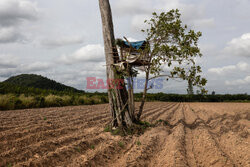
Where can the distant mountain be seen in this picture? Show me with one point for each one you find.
(37, 81)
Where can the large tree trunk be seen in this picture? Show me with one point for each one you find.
(118, 98)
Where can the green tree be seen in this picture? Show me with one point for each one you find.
(174, 45)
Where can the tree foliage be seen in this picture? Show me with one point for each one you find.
(174, 45)
(194, 98)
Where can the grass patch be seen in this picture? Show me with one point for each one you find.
(107, 129)
(121, 144)
(92, 147)
(162, 121)
(145, 124)
(114, 131)
(138, 143)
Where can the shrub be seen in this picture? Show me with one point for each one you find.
(66, 100)
(80, 100)
(7, 102)
(26, 102)
(40, 101)
(88, 100)
(53, 101)
(104, 99)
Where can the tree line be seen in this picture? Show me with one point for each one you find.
(195, 98)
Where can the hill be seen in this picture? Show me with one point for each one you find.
(34, 82)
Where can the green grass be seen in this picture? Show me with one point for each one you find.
(163, 121)
(92, 147)
(106, 129)
(121, 144)
(12, 101)
(138, 143)
(116, 131)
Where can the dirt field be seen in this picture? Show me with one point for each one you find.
(196, 134)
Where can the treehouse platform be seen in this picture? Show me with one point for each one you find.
(133, 53)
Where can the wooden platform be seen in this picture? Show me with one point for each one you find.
(138, 63)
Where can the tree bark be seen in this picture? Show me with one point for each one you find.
(190, 89)
(143, 96)
(130, 83)
(118, 97)
(145, 86)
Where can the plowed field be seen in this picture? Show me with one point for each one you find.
(194, 134)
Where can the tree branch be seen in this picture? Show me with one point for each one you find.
(158, 76)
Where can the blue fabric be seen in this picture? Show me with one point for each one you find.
(137, 45)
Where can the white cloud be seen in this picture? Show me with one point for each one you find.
(13, 12)
(192, 14)
(239, 46)
(9, 34)
(7, 61)
(11, 68)
(132, 39)
(222, 70)
(241, 66)
(88, 53)
(36, 66)
(52, 43)
(238, 82)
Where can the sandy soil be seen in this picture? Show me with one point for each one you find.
(196, 134)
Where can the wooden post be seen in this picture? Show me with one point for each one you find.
(118, 98)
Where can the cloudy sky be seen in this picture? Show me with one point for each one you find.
(62, 39)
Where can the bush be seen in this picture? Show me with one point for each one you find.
(66, 100)
(88, 100)
(53, 101)
(40, 101)
(7, 102)
(16, 101)
(27, 102)
(80, 100)
(12, 101)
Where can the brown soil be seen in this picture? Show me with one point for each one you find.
(192, 134)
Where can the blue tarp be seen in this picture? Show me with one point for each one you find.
(137, 45)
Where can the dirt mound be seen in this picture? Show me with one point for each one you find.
(189, 134)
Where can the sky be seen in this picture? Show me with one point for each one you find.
(62, 39)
